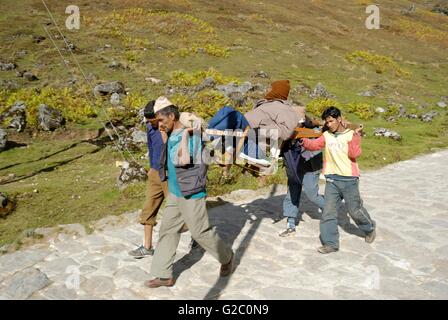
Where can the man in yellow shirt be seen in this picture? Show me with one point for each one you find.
(342, 148)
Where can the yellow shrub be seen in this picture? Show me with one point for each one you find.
(136, 25)
(133, 55)
(184, 79)
(73, 107)
(210, 49)
(318, 106)
(422, 31)
(392, 110)
(205, 103)
(380, 63)
(363, 110)
(135, 101)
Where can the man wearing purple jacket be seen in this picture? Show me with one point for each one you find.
(157, 189)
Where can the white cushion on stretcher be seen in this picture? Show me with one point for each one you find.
(257, 161)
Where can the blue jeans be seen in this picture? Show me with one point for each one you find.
(292, 200)
(291, 204)
(335, 191)
(311, 188)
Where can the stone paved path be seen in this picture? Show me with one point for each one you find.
(408, 260)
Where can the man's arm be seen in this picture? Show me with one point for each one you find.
(354, 146)
(314, 144)
(184, 150)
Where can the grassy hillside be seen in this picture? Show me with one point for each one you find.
(181, 42)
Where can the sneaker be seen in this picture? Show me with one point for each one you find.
(370, 237)
(325, 249)
(288, 232)
(194, 245)
(141, 252)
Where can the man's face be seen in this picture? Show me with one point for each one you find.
(166, 122)
(153, 122)
(333, 123)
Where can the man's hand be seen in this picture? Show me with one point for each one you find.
(316, 122)
(358, 131)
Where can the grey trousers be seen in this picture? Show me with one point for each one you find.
(335, 191)
(193, 213)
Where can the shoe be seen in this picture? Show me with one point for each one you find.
(288, 232)
(194, 245)
(160, 282)
(325, 249)
(370, 237)
(141, 252)
(226, 269)
(184, 228)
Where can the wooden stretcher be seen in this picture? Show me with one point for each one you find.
(227, 159)
(256, 169)
(311, 133)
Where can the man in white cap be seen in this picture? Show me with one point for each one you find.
(186, 200)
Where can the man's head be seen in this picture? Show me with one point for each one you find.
(168, 117)
(333, 119)
(150, 115)
(166, 113)
(279, 90)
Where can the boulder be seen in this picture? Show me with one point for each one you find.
(109, 88)
(261, 74)
(115, 65)
(366, 94)
(442, 104)
(237, 98)
(409, 11)
(303, 89)
(131, 172)
(402, 111)
(208, 82)
(383, 132)
(429, 116)
(8, 66)
(3, 139)
(115, 99)
(139, 136)
(38, 39)
(30, 76)
(21, 53)
(9, 85)
(18, 116)
(49, 119)
(18, 122)
(68, 44)
(153, 80)
(380, 110)
(231, 88)
(441, 7)
(132, 140)
(321, 92)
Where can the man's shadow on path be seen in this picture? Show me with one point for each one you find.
(230, 226)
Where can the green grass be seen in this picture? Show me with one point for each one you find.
(304, 41)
